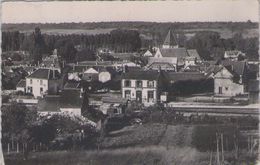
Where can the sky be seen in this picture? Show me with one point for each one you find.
(152, 11)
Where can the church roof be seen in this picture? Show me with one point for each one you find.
(170, 39)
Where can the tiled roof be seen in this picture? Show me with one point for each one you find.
(21, 83)
(184, 76)
(141, 75)
(45, 74)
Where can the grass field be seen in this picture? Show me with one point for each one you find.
(148, 144)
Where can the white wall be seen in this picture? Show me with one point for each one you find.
(224, 79)
(144, 90)
(36, 85)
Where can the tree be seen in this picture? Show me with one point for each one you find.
(66, 50)
(39, 46)
(16, 122)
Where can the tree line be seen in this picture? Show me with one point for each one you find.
(37, 44)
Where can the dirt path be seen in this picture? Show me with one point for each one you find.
(180, 135)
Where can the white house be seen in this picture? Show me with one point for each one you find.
(142, 86)
(230, 79)
(233, 54)
(43, 81)
(90, 74)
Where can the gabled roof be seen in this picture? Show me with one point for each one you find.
(43, 73)
(21, 83)
(235, 67)
(170, 39)
(142, 75)
(91, 70)
(148, 54)
(193, 53)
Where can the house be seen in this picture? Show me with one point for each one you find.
(91, 74)
(142, 86)
(21, 86)
(166, 63)
(113, 105)
(171, 49)
(71, 101)
(43, 81)
(234, 55)
(230, 78)
(51, 62)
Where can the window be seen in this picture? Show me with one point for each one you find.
(31, 81)
(139, 84)
(226, 88)
(150, 95)
(127, 83)
(41, 90)
(150, 84)
(128, 94)
(220, 90)
(40, 82)
(29, 90)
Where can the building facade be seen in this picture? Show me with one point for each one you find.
(43, 81)
(142, 86)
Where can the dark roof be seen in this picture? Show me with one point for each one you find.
(21, 83)
(113, 100)
(184, 76)
(175, 52)
(170, 39)
(43, 73)
(141, 75)
(49, 103)
(72, 85)
(235, 67)
(123, 56)
(71, 99)
(193, 53)
(253, 86)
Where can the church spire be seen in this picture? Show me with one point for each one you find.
(170, 41)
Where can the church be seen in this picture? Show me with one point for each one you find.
(171, 57)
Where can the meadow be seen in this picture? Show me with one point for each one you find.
(148, 144)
